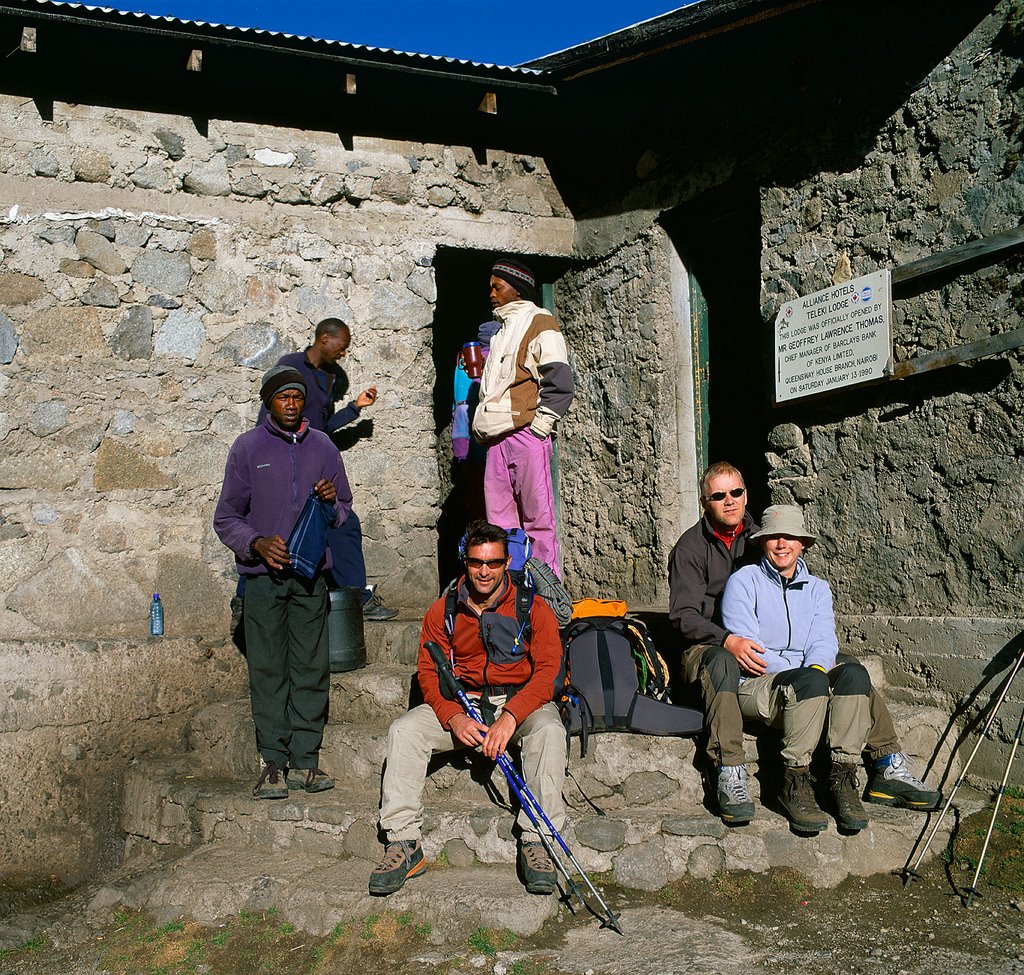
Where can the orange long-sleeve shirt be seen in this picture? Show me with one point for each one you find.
(481, 651)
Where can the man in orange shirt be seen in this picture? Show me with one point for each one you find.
(513, 669)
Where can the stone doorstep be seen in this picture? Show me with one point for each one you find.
(166, 812)
(316, 891)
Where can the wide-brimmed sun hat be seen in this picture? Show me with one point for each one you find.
(784, 519)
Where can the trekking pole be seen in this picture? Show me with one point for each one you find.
(910, 873)
(973, 889)
(527, 800)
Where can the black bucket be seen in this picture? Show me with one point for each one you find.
(345, 630)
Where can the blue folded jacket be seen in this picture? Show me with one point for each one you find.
(308, 540)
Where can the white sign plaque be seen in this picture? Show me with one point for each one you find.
(841, 336)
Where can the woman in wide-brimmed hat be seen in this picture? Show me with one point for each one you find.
(788, 611)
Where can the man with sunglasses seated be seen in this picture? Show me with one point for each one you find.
(714, 658)
(698, 568)
(514, 670)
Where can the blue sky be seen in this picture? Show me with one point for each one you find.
(470, 29)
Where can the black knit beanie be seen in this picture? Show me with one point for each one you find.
(278, 378)
(517, 274)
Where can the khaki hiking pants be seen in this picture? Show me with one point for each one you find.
(716, 672)
(801, 702)
(417, 735)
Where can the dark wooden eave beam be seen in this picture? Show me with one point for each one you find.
(956, 256)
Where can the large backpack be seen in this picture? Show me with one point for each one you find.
(616, 681)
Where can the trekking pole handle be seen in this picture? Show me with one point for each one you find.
(450, 682)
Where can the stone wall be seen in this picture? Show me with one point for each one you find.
(73, 716)
(915, 484)
(150, 273)
(619, 447)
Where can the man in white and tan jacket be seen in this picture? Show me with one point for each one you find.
(526, 388)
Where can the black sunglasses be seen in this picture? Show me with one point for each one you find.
(734, 493)
(480, 563)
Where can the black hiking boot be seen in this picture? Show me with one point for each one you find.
(537, 869)
(798, 802)
(842, 782)
(375, 611)
(893, 784)
(402, 860)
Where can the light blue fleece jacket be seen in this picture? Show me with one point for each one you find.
(792, 619)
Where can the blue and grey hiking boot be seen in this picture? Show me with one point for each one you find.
(893, 784)
(537, 869)
(734, 802)
(402, 859)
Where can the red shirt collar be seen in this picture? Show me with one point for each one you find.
(727, 535)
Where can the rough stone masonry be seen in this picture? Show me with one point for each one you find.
(149, 276)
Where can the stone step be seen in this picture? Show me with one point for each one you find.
(316, 891)
(619, 771)
(168, 810)
(394, 641)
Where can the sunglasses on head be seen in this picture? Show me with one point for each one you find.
(734, 493)
(480, 563)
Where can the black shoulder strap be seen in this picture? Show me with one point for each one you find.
(451, 599)
(524, 604)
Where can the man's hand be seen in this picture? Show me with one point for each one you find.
(468, 731)
(498, 735)
(366, 398)
(325, 490)
(747, 654)
(273, 550)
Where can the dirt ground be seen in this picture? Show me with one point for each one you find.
(734, 923)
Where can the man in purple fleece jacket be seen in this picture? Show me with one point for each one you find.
(326, 386)
(269, 474)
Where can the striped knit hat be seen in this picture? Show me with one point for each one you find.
(517, 274)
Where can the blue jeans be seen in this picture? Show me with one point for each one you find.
(348, 564)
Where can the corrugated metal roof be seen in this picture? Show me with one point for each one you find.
(108, 14)
(667, 17)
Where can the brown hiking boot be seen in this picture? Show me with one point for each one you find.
(314, 779)
(272, 783)
(537, 869)
(842, 782)
(798, 802)
(402, 859)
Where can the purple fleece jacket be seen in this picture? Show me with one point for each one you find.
(267, 479)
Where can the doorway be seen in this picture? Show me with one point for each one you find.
(718, 238)
(463, 305)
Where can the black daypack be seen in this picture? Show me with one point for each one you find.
(606, 658)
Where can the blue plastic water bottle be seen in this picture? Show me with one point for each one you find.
(156, 616)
